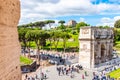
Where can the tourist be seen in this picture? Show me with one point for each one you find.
(42, 75)
(93, 73)
(62, 70)
(85, 73)
(72, 69)
(45, 76)
(36, 76)
(26, 76)
(67, 72)
(83, 77)
(59, 70)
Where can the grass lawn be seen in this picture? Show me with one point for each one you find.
(69, 44)
(115, 73)
(117, 47)
(25, 60)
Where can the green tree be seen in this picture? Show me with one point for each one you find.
(104, 26)
(61, 22)
(116, 35)
(43, 37)
(50, 38)
(39, 24)
(49, 22)
(65, 36)
(29, 38)
(81, 24)
(56, 38)
(30, 25)
(22, 32)
(61, 27)
(22, 26)
(117, 24)
(36, 37)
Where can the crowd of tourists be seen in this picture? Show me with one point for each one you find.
(112, 66)
(69, 70)
(67, 55)
(42, 76)
(101, 76)
(57, 57)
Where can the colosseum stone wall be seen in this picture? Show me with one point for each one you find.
(9, 45)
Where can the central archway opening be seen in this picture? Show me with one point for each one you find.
(102, 52)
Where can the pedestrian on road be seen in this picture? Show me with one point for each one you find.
(45, 76)
(59, 71)
(67, 72)
(85, 73)
(93, 73)
(36, 76)
(42, 75)
(62, 70)
(26, 76)
(83, 77)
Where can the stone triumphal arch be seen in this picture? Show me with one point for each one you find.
(95, 46)
(9, 44)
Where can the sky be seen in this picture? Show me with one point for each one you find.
(93, 12)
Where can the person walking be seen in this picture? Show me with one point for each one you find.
(36, 76)
(59, 70)
(45, 76)
(93, 73)
(83, 77)
(67, 72)
(26, 76)
(62, 70)
(85, 73)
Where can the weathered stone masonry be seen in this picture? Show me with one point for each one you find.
(9, 45)
(95, 46)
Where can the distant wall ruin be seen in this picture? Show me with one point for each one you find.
(9, 45)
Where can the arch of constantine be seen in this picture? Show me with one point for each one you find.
(95, 46)
(9, 44)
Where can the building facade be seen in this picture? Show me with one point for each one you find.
(72, 23)
(96, 46)
(9, 44)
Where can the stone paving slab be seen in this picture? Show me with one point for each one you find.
(53, 75)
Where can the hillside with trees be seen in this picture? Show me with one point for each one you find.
(61, 38)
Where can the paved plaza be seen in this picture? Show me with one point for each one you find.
(52, 73)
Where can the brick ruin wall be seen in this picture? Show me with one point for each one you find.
(9, 44)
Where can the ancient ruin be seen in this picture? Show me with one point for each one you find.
(95, 46)
(9, 44)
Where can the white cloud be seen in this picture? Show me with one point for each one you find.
(108, 21)
(41, 9)
(116, 18)
(82, 19)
